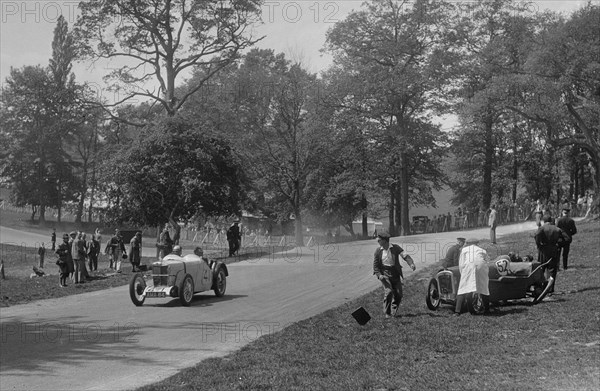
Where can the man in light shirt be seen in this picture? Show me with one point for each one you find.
(387, 269)
(493, 223)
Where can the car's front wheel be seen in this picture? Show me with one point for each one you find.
(186, 293)
(475, 303)
(137, 285)
(220, 283)
(433, 295)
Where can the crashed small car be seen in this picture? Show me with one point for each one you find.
(507, 281)
(179, 277)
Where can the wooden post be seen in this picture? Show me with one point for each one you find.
(2, 276)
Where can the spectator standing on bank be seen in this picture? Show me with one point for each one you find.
(64, 253)
(387, 269)
(234, 238)
(165, 243)
(581, 201)
(539, 212)
(116, 249)
(590, 202)
(548, 239)
(78, 255)
(93, 253)
(42, 254)
(53, 239)
(70, 260)
(567, 224)
(135, 251)
(493, 223)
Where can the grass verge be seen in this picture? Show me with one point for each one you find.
(552, 346)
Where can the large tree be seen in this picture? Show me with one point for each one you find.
(171, 173)
(153, 45)
(495, 37)
(559, 89)
(394, 56)
(33, 158)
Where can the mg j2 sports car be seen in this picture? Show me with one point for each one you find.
(508, 281)
(181, 277)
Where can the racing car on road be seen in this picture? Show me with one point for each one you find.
(507, 281)
(182, 277)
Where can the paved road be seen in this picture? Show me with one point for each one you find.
(101, 341)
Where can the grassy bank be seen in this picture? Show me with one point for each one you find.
(552, 346)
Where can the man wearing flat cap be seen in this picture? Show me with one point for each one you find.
(567, 224)
(453, 254)
(387, 269)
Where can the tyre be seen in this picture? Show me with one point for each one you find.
(186, 292)
(433, 295)
(137, 284)
(549, 287)
(536, 291)
(475, 303)
(220, 283)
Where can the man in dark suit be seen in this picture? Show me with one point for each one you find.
(453, 254)
(548, 239)
(387, 269)
(234, 237)
(567, 224)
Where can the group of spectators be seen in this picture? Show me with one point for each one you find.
(464, 218)
(76, 254)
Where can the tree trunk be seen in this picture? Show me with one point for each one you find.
(299, 233)
(486, 191)
(365, 224)
(398, 208)
(405, 223)
(513, 196)
(392, 226)
(83, 191)
(42, 218)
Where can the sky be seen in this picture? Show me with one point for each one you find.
(296, 28)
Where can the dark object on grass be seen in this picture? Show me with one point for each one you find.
(143, 268)
(124, 256)
(362, 316)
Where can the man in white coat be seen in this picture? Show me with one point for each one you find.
(474, 276)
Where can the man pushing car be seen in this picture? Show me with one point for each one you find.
(474, 274)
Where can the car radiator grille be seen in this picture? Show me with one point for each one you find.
(445, 283)
(159, 275)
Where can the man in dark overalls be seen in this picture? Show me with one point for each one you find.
(548, 239)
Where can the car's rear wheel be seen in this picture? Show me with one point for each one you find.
(475, 303)
(186, 293)
(137, 285)
(220, 283)
(433, 295)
